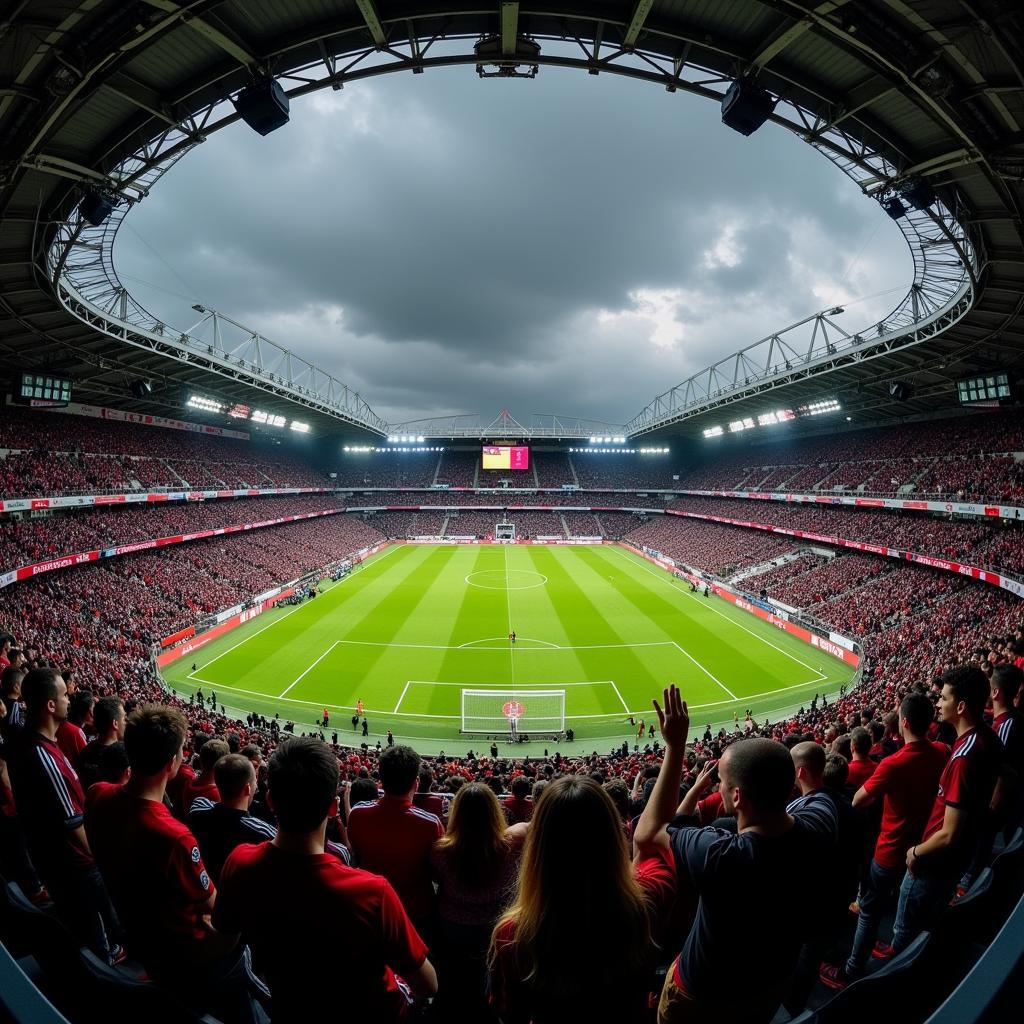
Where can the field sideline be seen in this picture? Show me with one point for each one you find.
(413, 626)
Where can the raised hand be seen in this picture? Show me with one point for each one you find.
(674, 720)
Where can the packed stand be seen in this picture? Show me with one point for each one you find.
(628, 472)
(582, 524)
(458, 469)
(385, 469)
(552, 468)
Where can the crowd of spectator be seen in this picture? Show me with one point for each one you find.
(31, 540)
(48, 453)
(385, 469)
(991, 545)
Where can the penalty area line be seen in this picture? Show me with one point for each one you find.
(299, 678)
(405, 690)
(707, 672)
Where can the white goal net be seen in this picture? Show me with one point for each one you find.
(513, 712)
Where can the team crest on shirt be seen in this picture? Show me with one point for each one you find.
(204, 879)
(195, 854)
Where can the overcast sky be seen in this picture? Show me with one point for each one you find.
(569, 245)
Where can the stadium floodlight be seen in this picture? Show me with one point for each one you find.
(299, 427)
(420, 440)
(714, 432)
(206, 404)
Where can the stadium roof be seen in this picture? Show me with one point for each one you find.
(103, 94)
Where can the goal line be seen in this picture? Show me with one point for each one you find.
(509, 688)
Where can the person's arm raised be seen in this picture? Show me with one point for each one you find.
(674, 722)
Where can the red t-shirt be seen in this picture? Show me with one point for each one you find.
(155, 875)
(606, 995)
(710, 808)
(197, 786)
(311, 918)
(967, 783)
(859, 772)
(907, 780)
(393, 838)
(517, 809)
(71, 739)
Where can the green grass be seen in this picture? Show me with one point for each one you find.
(415, 625)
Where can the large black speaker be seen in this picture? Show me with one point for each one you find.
(918, 193)
(899, 391)
(142, 388)
(263, 106)
(96, 207)
(746, 106)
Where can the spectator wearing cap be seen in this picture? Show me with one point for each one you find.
(374, 949)
(394, 838)
(51, 804)
(155, 871)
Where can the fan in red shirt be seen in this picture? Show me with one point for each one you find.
(1008, 725)
(907, 782)
(71, 736)
(160, 887)
(861, 765)
(518, 807)
(372, 943)
(960, 814)
(394, 838)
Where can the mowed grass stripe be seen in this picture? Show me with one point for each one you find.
(581, 618)
(716, 615)
(270, 656)
(729, 654)
(388, 617)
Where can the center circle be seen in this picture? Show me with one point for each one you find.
(500, 579)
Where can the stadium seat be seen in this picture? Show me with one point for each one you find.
(896, 986)
(969, 921)
(40, 940)
(129, 1000)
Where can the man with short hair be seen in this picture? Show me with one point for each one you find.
(394, 838)
(371, 938)
(220, 827)
(1008, 803)
(108, 719)
(204, 783)
(156, 875)
(423, 798)
(10, 685)
(773, 850)
(861, 767)
(71, 736)
(50, 803)
(960, 813)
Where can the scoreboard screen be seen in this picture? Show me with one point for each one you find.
(506, 457)
(43, 389)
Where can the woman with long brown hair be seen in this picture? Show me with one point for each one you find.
(576, 943)
(475, 864)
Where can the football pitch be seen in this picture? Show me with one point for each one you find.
(413, 626)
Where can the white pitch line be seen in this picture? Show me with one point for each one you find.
(707, 672)
(671, 581)
(281, 618)
(245, 640)
(535, 650)
(619, 695)
(299, 679)
(405, 690)
(498, 686)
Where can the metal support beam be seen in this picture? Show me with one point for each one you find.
(368, 9)
(636, 23)
(228, 42)
(509, 28)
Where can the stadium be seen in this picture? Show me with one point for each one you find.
(309, 692)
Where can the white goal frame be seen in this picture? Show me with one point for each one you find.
(498, 724)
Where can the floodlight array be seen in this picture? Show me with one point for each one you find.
(205, 404)
(386, 448)
(768, 419)
(607, 440)
(405, 439)
(619, 451)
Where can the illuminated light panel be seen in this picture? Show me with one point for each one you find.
(299, 427)
(206, 404)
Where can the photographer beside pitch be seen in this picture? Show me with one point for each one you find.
(772, 851)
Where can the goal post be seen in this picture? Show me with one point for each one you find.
(513, 712)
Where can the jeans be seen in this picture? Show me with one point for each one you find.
(878, 895)
(921, 903)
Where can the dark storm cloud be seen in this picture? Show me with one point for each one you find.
(569, 245)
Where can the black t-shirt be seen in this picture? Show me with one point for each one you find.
(735, 945)
(219, 829)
